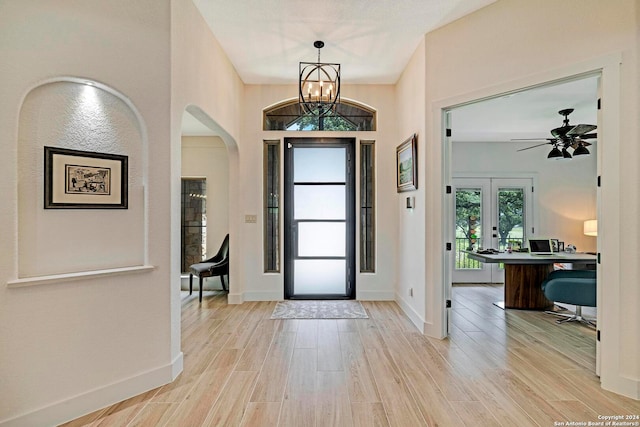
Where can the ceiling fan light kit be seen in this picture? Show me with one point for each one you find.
(566, 136)
(555, 153)
(581, 150)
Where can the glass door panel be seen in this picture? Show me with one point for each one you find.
(319, 276)
(490, 213)
(319, 215)
(319, 201)
(325, 239)
(511, 220)
(319, 164)
(470, 226)
(514, 213)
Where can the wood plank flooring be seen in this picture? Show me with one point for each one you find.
(498, 368)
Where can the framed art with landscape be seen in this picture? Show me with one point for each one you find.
(406, 165)
(76, 179)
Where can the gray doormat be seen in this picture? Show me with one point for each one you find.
(338, 309)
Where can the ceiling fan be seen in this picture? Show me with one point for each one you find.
(564, 137)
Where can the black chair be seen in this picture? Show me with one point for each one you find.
(577, 287)
(218, 265)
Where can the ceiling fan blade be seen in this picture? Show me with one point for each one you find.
(589, 136)
(581, 129)
(534, 146)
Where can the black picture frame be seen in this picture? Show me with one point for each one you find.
(407, 165)
(75, 179)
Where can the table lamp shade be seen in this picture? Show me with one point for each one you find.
(591, 227)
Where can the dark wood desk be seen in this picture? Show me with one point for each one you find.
(523, 274)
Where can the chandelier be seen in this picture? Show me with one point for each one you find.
(319, 85)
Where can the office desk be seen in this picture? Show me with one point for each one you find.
(524, 273)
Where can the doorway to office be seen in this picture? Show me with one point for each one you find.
(559, 206)
(319, 228)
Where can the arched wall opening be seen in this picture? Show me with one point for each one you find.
(207, 154)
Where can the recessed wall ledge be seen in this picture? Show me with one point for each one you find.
(81, 275)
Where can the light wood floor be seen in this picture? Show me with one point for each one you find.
(498, 368)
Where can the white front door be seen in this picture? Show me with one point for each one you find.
(490, 213)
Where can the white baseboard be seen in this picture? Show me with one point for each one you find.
(264, 296)
(85, 403)
(433, 331)
(374, 295)
(234, 298)
(177, 366)
(622, 385)
(415, 318)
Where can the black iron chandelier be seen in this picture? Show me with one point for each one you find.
(319, 86)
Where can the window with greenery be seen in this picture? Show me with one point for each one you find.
(346, 117)
(193, 234)
(271, 206)
(511, 217)
(367, 207)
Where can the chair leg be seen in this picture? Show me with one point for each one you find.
(224, 288)
(200, 288)
(577, 317)
(190, 283)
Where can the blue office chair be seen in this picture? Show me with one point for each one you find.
(576, 287)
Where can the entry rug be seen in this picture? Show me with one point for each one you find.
(339, 309)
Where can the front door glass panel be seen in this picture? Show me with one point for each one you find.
(319, 216)
(319, 201)
(319, 276)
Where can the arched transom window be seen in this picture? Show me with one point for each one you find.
(348, 116)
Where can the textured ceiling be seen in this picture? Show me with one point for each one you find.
(372, 40)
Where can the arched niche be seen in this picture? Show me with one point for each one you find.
(80, 115)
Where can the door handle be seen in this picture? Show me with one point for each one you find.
(294, 237)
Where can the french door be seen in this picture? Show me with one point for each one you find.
(490, 213)
(319, 218)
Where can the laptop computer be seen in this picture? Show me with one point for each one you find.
(540, 247)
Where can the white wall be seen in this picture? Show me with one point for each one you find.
(63, 348)
(513, 44)
(270, 286)
(565, 191)
(412, 256)
(205, 84)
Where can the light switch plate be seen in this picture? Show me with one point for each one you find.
(411, 201)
